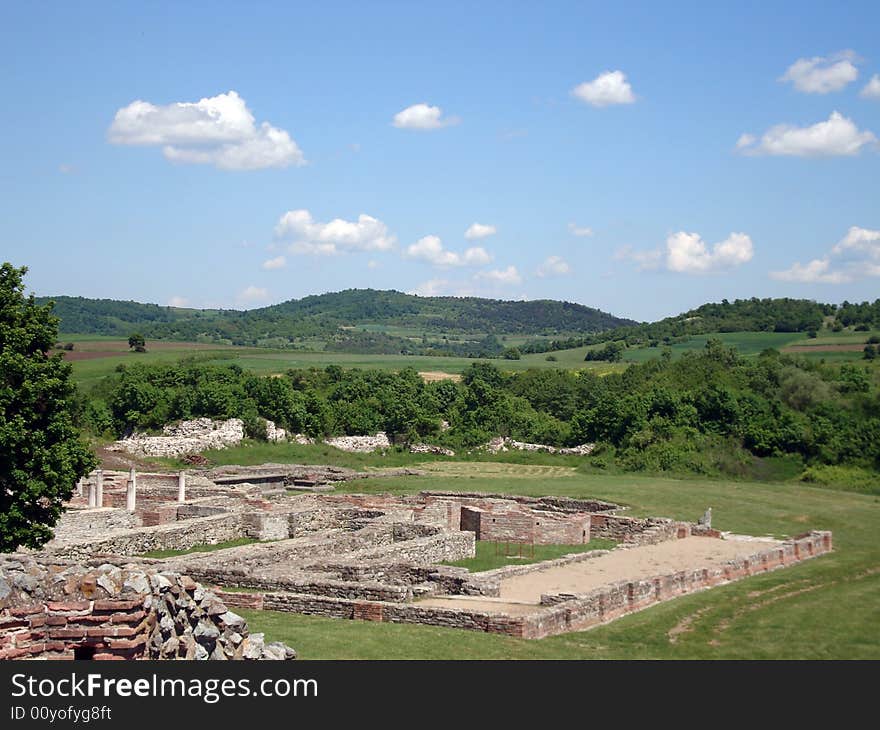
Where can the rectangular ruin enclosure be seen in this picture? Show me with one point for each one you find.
(379, 557)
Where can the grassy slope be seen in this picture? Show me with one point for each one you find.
(491, 555)
(824, 608)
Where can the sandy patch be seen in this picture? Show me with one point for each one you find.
(644, 561)
(433, 376)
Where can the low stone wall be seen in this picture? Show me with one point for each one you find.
(67, 611)
(170, 536)
(557, 614)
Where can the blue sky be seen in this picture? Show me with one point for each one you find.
(629, 158)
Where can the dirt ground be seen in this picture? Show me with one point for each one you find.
(520, 594)
(432, 376)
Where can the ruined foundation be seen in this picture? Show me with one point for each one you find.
(352, 556)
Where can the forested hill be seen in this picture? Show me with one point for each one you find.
(326, 315)
(744, 315)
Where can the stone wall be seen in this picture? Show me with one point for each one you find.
(66, 611)
(170, 536)
(558, 613)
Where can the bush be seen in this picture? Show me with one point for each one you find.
(550, 358)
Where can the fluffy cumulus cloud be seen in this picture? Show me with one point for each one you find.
(479, 230)
(862, 240)
(308, 236)
(553, 266)
(218, 130)
(855, 256)
(820, 74)
(607, 89)
(580, 231)
(506, 277)
(838, 136)
(423, 117)
(279, 262)
(871, 90)
(687, 253)
(252, 295)
(431, 249)
(816, 271)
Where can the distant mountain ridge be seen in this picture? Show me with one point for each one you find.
(335, 318)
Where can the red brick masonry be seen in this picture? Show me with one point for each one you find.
(557, 614)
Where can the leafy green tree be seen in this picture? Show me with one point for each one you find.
(137, 342)
(41, 453)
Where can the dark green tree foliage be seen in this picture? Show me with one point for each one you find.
(137, 342)
(684, 415)
(41, 453)
(330, 317)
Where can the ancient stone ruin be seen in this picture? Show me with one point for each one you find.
(56, 609)
(355, 556)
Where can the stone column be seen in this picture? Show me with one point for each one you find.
(132, 476)
(92, 495)
(79, 486)
(130, 495)
(99, 487)
(181, 486)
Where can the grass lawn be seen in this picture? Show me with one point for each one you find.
(491, 555)
(199, 548)
(825, 608)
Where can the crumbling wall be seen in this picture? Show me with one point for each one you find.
(178, 535)
(65, 611)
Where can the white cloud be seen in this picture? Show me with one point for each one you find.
(219, 131)
(687, 253)
(582, 231)
(431, 288)
(857, 254)
(553, 266)
(821, 75)
(872, 88)
(838, 136)
(423, 117)
(859, 239)
(816, 271)
(373, 264)
(430, 249)
(610, 87)
(646, 260)
(65, 169)
(501, 276)
(279, 262)
(479, 230)
(308, 236)
(178, 302)
(252, 294)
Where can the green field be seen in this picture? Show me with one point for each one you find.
(822, 609)
(491, 555)
(268, 361)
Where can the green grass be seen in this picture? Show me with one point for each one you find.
(265, 361)
(821, 609)
(208, 548)
(491, 555)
